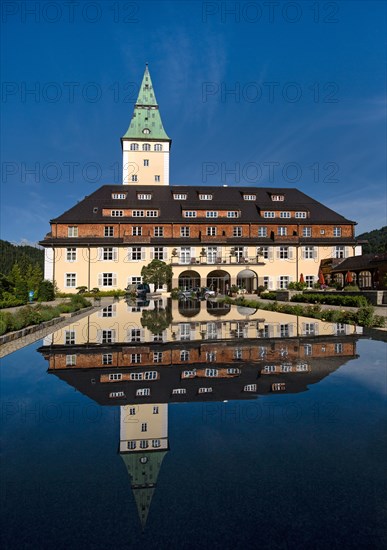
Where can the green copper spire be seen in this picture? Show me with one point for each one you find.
(146, 121)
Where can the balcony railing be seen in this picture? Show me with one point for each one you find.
(219, 260)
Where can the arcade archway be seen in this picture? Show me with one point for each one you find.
(219, 281)
(248, 280)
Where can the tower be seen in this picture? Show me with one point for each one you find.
(146, 146)
(143, 446)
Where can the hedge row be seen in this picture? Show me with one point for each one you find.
(35, 315)
(331, 299)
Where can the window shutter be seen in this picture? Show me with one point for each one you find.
(303, 253)
(100, 279)
(278, 282)
(270, 283)
(142, 253)
(316, 329)
(346, 252)
(113, 335)
(245, 252)
(142, 335)
(152, 253)
(114, 279)
(290, 252)
(130, 254)
(271, 330)
(277, 252)
(291, 278)
(165, 253)
(99, 336)
(303, 328)
(100, 254)
(291, 329)
(115, 254)
(315, 253)
(193, 252)
(270, 252)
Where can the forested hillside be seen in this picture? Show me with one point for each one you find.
(377, 240)
(23, 255)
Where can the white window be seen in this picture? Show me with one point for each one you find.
(339, 348)
(144, 392)
(71, 254)
(250, 387)
(158, 147)
(237, 232)
(210, 356)
(108, 231)
(70, 337)
(136, 376)
(118, 195)
(265, 252)
(190, 214)
(233, 214)
(157, 356)
(158, 231)
(284, 214)
(309, 252)
(136, 253)
(134, 146)
(185, 255)
(107, 279)
(282, 231)
(134, 335)
(144, 427)
(132, 411)
(310, 329)
(109, 311)
(212, 373)
(155, 409)
(233, 370)
(180, 196)
(152, 213)
(268, 214)
(184, 232)
(116, 394)
(283, 281)
(72, 231)
(306, 231)
(117, 213)
(284, 331)
(322, 231)
(159, 253)
(146, 162)
(308, 349)
(339, 252)
(205, 390)
(337, 231)
(108, 336)
(70, 280)
(205, 197)
(115, 377)
(109, 254)
(340, 328)
(211, 214)
(144, 196)
(157, 178)
(277, 197)
(151, 375)
(262, 231)
(179, 391)
(131, 445)
(138, 213)
(188, 373)
(266, 281)
(284, 252)
(184, 355)
(146, 147)
(144, 444)
(156, 443)
(249, 197)
(211, 231)
(134, 177)
(107, 358)
(135, 358)
(300, 214)
(71, 360)
(136, 230)
(309, 280)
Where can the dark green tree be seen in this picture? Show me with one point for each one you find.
(156, 320)
(158, 273)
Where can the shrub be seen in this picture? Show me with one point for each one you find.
(46, 291)
(269, 295)
(331, 299)
(351, 288)
(297, 286)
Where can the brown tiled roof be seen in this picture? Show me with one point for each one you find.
(89, 210)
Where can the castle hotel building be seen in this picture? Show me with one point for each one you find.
(213, 236)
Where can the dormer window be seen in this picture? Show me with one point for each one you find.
(146, 131)
(146, 147)
(211, 214)
(118, 195)
(180, 196)
(249, 197)
(268, 214)
(300, 214)
(278, 198)
(284, 214)
(158, 147)
(144, 196)
(134, 146)
(205, 197)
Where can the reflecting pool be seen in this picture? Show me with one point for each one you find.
(190, 424)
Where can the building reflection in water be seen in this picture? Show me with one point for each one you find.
(144, 355)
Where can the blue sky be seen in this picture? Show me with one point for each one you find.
(288, 94)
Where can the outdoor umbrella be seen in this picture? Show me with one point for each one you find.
(348, 278)
(321, 278)
(302, 280)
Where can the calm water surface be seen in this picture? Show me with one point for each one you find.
(278, 441)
